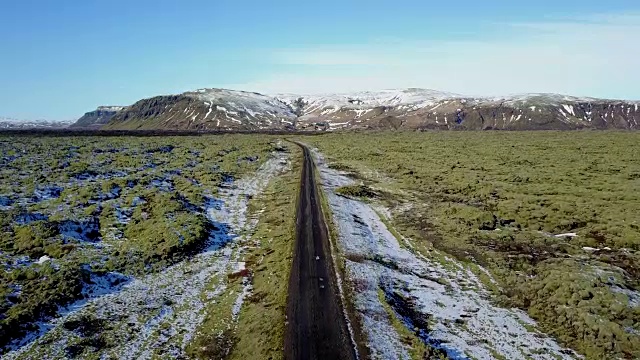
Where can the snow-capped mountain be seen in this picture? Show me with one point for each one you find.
(422, 109)
(221, 109)
(366, 99)
(206, 109)
(7, 123)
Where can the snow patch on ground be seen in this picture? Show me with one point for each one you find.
(567, 235)
(5, 202)
(28, 218)
(86, 230)
(161, 312)
(47, 193)
(463, 320)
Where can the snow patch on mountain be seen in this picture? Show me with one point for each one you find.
(414, 108)
(365, 100)
(242, 102)
(110, 108)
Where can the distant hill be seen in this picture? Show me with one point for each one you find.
(14, 124)
(97, 118)
(221, 109)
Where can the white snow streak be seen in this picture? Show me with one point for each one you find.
(384, 264)
(569, 109)
(162, 311)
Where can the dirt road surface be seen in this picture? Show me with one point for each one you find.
(317, 328)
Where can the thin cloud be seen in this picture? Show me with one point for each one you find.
(324, 57)
(592, 55)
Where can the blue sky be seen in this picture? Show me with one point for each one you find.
(59, 59)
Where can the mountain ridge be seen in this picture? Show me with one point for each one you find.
(413, 108)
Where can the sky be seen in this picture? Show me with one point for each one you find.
(59, 59)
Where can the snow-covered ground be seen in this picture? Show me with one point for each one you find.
(160, 313)
(433, 291)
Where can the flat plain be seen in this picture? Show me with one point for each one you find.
(446, 243)
(121, 245)
(548, 221)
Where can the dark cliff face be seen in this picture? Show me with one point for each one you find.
(97, 118)
(153, 113)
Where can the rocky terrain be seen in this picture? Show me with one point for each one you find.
(98, 117)
(437, 223)
(158, 313)
(415, 109)
(123, 245)
(443, 302)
